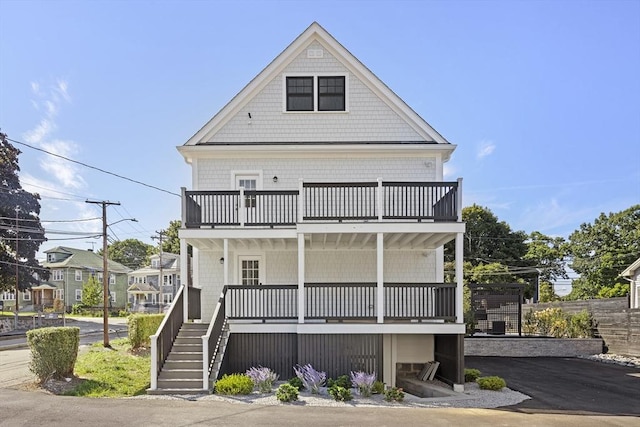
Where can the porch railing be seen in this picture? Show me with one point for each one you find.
(212, 341)
(359, 201)
(166, 334)
(342, 301)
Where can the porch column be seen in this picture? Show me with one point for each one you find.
(184, 278)
(380, 275)
(459, 281)
(225, 265)
(301, 298)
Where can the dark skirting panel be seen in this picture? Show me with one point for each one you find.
(449, 351)
(341, 354)
(332, 353)
(276, 351)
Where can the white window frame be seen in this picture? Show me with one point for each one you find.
(57, 275)
(251, 257)
(58, 294)
(8, 296)
(26, 295)
(78, 275)
(112, 279)
(155, 263)
(236, 175)
(167, 298)
(315, 92)
(112, 296)
(78, 294)
(167, 280)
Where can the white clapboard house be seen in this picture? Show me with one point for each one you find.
(317, 215)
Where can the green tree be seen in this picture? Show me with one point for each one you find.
(130, 252)
(600, 251)
(27, 235)
(546, 292)
(488, 240)
(92, 292)
(548, 255)
(171, 241)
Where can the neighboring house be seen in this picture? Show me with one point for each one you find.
(70, 268)
(317, 217)
(143, 283)
(632, 273)
(8, 299)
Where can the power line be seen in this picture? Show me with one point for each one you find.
(94, 167)
(51, 220)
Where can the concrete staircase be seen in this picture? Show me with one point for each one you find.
(182, 371)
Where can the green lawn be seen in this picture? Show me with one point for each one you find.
(112, 372)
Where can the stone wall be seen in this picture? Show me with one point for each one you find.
(7, 323)
(616, 323)
(531, 347)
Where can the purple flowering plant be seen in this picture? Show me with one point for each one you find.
(363, 382)
(311, 379)
(263, 378)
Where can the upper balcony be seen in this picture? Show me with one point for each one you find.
(324, 202)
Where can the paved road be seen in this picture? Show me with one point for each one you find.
(19, 408)
(567, 386)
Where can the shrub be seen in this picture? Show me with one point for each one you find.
(471, 375)
(394, 394)
(77, 309)
(141, 327)
(342, 381)
(234, 384)
(53, 351)
(263, 378)
(340, 394)
(287, 393)
(554, 322)
(311, 379)
(363, 382)
(296, 382)
(378, 387)
(491, 383)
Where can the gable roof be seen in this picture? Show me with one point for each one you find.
(315, 32)
(631, 270)
(84, 259)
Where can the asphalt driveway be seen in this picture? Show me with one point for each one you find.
(566, 385)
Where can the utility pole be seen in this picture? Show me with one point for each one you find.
(105, 270)
(160, 235)
(17, 274)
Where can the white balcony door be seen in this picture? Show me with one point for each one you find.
(250, 270)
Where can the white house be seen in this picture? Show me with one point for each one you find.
(632, 273)
(144, 283)
(317, 217)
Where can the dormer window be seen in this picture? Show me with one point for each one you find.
(316, 93)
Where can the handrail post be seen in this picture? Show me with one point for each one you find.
(459, 200)
(300, 200)
(205, 360)
(154, 362)
(242, 210)
(380, 204)
(183, 192)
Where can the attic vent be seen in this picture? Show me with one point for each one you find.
(315, 53)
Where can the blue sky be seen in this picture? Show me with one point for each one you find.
(542, 98)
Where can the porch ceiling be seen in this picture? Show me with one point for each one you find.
(329, 241)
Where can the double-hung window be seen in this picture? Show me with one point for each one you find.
(58, 275)
(316, 93)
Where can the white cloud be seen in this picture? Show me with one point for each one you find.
(66, 173)
(485, 149)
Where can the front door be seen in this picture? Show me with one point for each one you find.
(250, 184)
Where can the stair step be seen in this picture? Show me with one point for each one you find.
(169, 391)
(182, 364)
(182, 374)
(194, 384)
(174, 356)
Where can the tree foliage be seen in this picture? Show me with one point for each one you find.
(92, 292)
(132, 253)
(548, 255)
(27, 235)
(171, 242)
(602, 250)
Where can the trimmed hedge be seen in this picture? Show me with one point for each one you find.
(54, 351)
(141, 327)
(491, 383)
